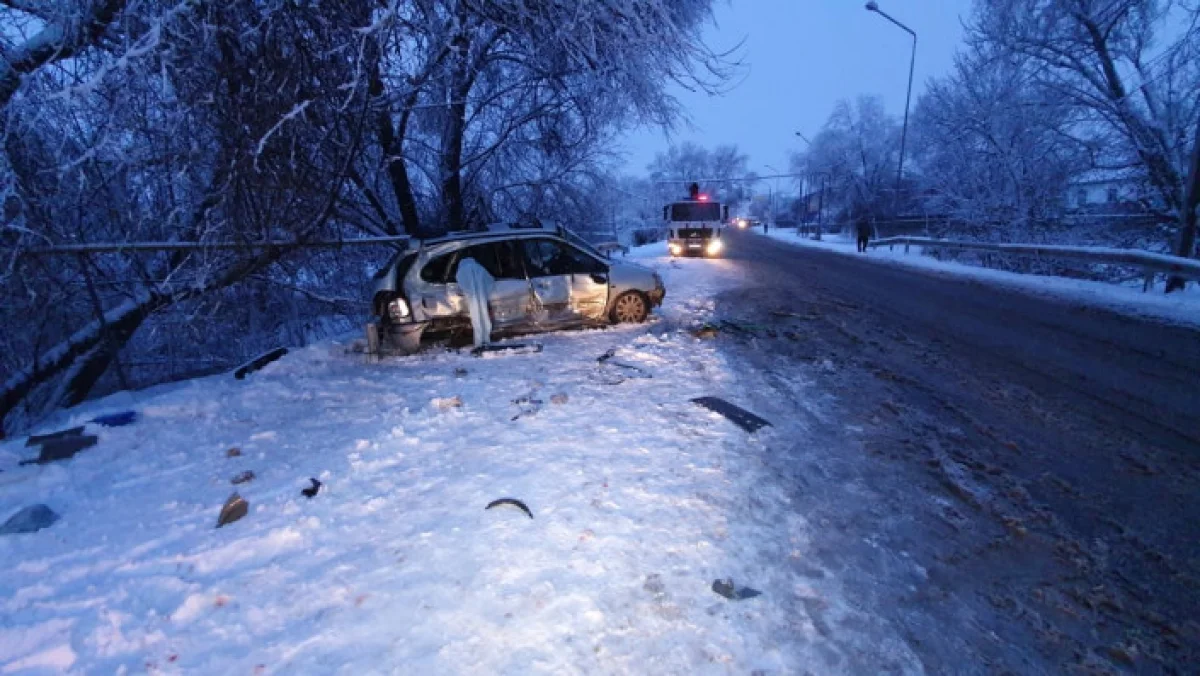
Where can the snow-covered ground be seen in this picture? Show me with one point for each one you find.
(641, 499)
(1180, 308)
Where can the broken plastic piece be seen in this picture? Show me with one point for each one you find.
(511, 348)
(311, 491)
(736, 414)
(242, 477)
(38, 439)
(259, 362)
(510, 501)
(528, 405)
(62, 448)
(29, 520)
(447, 403)
(629, 370)
(732, 592)
(116, 419)
(235, 508)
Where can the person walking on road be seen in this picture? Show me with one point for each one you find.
(863, 229)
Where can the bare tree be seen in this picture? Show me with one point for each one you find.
(725, 167)
(497, 103)
(268, 120)
(209, 123)
(991, 146)
(1129, 67)
(855, 151)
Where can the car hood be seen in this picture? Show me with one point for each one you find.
(625, 276)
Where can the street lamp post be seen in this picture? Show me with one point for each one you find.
(872, 6)
(820, 197)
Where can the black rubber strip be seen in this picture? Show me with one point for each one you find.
(736, 414)
(510, 501)
(259, 362)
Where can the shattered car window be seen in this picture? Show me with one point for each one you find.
(498, 258)
(549, 258)
(508, 261)
(435, 270)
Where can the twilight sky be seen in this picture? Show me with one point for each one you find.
(802, 56)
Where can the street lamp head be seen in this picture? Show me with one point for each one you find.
(872, 6)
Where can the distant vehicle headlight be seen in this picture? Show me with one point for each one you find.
(714, 247)
(398, 309)
(676, 249)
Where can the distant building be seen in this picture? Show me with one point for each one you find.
(1104, 190)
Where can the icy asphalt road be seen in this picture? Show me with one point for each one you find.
(1023, 472)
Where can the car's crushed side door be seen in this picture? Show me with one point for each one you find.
(576, 281)
(589, 287)
(510, 298)
(431, 296)
(551, 287)
(437, 296)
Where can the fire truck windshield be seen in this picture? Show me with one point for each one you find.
(695, 211)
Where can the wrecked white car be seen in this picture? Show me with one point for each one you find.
(546, 278)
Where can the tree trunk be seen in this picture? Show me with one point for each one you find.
(87, 369)
(392, 145)
(460, 83)
(1187, 215)
(452, 191)
(1148, 141)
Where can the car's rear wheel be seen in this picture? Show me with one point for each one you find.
(630, 307)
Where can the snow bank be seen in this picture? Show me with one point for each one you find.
(640, 500)
(1177, 308)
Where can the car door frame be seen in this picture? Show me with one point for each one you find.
(508, 303)
(586, 293)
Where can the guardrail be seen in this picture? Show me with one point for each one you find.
(609, 248)
(1150, 263)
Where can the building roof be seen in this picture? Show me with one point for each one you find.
(1104, 175)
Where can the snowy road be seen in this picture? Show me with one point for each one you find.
(959, 479)
(1011, 480)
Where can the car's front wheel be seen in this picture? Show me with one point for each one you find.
(630, 307)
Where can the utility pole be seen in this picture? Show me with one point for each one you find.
(821, 208)
(874, 7)
(820, 198)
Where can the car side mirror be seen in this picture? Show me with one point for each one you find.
(599, 278)
(725, 213)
